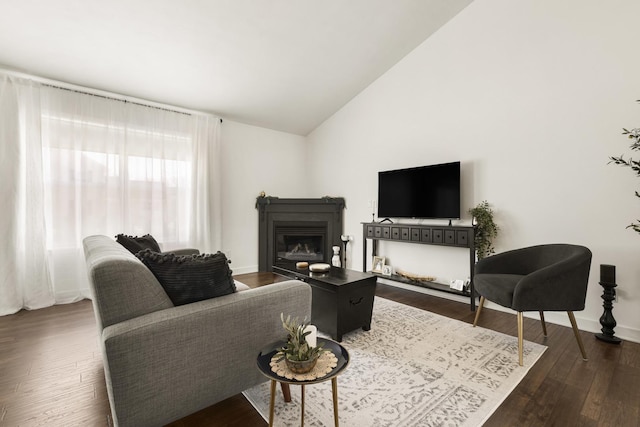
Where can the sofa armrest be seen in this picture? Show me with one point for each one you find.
(165, 365)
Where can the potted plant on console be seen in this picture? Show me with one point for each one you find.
(485, 229)
(301, 352)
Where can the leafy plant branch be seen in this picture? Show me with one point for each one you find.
(297, 348)
(485, 229)
(634, 165)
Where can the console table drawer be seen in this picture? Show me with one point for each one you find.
(449, 237)
(400, 233)
(370, 231)
(462, 238)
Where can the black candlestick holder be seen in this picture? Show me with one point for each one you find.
(345, 241)
(608, 282)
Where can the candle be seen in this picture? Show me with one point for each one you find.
(607, 273)
(312, 338)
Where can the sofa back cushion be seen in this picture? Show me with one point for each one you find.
(123, 288)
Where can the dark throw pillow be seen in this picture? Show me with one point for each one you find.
(190, 278)
(136, 244)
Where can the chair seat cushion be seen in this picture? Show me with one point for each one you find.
(188, 279)
(497, 288)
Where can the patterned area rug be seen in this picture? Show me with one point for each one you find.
(413, 368)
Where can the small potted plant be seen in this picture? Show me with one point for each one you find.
(485, 229)
(299, 355)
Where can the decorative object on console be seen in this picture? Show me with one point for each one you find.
(302, 265)
(485, 229)
(633, 164)
(378, 263)
(300, 352)
(335, 260)
(387, 270)
(415, 277)
(608, 282)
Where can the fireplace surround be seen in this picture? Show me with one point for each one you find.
(292, 230)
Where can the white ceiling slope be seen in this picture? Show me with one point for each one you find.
(281, 64)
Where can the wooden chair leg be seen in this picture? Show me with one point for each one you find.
(520, 339)
(544, 325)
(478, 310)
(576, 332)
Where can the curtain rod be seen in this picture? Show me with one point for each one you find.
(104, 94)
(126, 101)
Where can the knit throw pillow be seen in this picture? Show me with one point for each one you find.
(190, 278)
(136, 244)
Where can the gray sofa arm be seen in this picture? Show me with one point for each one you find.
(165, 365)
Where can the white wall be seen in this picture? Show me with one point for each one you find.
(254, 160)
(531, 96)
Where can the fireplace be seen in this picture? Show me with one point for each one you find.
(293, 230)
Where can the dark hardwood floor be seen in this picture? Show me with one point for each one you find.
(51, 371)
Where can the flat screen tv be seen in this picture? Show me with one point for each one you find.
(423, 192)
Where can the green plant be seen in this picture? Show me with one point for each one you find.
(297, 349)
(485, 229)
(633, 134)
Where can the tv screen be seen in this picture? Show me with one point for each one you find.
(423, 192)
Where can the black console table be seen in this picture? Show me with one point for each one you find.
(442, 235)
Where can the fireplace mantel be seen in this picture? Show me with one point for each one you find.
(274, 212)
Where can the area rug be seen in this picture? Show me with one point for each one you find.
(413, 368)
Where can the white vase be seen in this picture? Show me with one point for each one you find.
(335, 260)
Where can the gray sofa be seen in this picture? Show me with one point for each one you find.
(163, 362)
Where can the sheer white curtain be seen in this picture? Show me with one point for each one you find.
(206, 227)
(24, 275)
(110, 167)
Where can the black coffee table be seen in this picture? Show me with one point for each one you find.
(342, 300)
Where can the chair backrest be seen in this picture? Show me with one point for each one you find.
(560, 269)
(527, 260)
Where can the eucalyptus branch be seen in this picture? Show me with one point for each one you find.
(634, 165)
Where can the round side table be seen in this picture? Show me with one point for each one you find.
(264, 360)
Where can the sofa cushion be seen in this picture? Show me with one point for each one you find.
(136, 244)
(188, 279)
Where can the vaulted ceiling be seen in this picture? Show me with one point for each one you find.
(281, 64)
